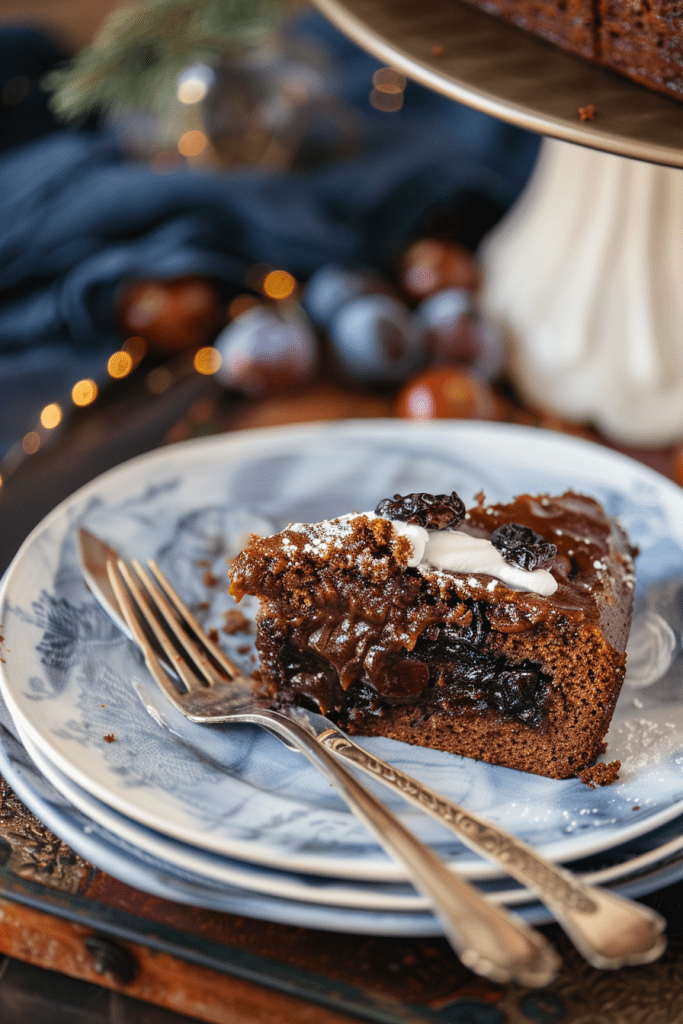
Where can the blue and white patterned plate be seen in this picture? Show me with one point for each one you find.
(641, 861)
(71, 679)
(634, 869)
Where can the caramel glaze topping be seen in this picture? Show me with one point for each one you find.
(341, 609)
(593, 558)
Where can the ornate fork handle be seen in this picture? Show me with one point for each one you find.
(488, 940)
(608, 930)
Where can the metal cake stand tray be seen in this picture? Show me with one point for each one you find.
(586, 272)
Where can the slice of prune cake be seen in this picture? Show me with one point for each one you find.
(498, 633)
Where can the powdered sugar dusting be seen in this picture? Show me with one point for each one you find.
(641, 742)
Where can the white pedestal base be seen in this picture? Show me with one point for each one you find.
(586, 273)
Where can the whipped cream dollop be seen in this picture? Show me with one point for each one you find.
(456, 551)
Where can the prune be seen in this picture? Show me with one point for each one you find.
(522, 546)
(433, 511)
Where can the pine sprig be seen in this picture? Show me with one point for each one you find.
(140, 51)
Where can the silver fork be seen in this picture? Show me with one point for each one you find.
(609, 930)
(488, 940)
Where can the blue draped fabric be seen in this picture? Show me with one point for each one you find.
(77, 218)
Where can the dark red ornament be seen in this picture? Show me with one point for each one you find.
(430, 265)
(186, 312)
(443, 392)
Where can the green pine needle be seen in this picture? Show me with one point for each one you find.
(135, 60)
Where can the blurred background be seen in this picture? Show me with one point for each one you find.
(224, 214)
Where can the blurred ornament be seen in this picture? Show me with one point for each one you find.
(171, 315)
(333, 285)
(267, 349)
(430, 265)
(271, 105)
(376, 340)
(446, 393)
(458, 333)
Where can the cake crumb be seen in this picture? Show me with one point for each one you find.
(109, 738)
(600, 774)
(437, 51)
(588, 112)
(213, 634)
(235, 622)
(208, 578)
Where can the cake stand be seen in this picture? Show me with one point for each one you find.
(586, 271)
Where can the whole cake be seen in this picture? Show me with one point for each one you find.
(498, 633)
(642, 39)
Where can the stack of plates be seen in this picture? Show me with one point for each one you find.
(225, 817)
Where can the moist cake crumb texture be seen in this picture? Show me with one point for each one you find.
(600, 774)
(457, 661)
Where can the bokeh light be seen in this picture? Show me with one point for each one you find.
(207, 360)
(194, 83)
(420, 404)
(278, 284)
(31, 442)
(51, 416)
(136, 347)
(120, 364)
(389, 81)
(84, 392)
(192, 143)
(388, 103)
(158, 380)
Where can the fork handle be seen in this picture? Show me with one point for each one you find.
(609, 930)
(488, 940)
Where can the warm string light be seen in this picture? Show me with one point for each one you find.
(51, 416)
(31, 442)
(120, 364)
(136, 347)
(84, 392)
(158, 380)
(278, 284)
(207, 360)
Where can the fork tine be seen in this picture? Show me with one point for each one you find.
(169, 615)
(151, 613)
(159, 673)
(187, 615)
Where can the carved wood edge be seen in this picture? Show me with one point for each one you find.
(31, 851)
